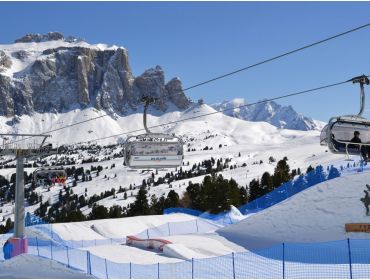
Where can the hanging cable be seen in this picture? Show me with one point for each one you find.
(279, 56)
(312, 90)
(233, 72)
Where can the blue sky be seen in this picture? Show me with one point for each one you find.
(199, 40)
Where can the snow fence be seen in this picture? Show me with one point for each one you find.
(337, 259)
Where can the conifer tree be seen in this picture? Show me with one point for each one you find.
(281, 173)
(141, 204)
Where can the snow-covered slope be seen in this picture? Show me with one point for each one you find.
(217, 126)
(314, 215)
(114, 228)
(33, 267)
(248, 145)
(271, 112)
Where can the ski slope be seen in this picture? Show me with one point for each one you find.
(228, 137)
(29, 266)
(109, 228)
(316, 214)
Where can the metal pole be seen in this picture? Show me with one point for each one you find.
(349, 258)
(37, 244)
(19, 216)
(283, 260)
(232, 254)
(67, 256)
(106, 268)
(362, 99)
(192, 268)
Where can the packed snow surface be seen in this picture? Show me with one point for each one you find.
(28, 266)
(317, 214)
(199, 246)
(114, 228)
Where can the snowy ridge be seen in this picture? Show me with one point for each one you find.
(35, 51)
(50, 73)
(271, 112)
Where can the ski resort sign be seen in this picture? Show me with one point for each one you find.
(358, 227)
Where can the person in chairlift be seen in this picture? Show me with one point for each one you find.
(356, 139)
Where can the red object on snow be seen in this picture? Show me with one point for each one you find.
(156, 244)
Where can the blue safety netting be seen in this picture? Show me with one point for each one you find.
(336, 259)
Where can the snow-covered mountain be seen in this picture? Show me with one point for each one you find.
(248, 145)
(271, 112)
(50, 73)
(41, 74)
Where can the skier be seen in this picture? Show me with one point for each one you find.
(356, 139)
(366, 201)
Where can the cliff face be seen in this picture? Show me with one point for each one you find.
(48, 73)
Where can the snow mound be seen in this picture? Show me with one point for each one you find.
(235, 214)
(109, 228)
(180, 251)
(199, 246)
(118, 228)
(28, 266)
(317, 214)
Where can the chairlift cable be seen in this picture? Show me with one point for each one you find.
(312, 90)
(278, 56)
(229, 74)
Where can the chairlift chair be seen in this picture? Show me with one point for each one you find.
(337, 134)
(52, 175)
(153, 150)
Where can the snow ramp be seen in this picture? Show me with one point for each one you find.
(317, 214)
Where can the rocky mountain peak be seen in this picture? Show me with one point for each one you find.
(51, 36)
(269, 111)
(57, 74)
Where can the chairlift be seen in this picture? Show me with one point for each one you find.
(153, 150)
(339, 131)
(50, 176)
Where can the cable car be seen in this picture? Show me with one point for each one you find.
(50, 176)
(153, 150)
(338, 134)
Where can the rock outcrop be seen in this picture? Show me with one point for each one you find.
(71, 75)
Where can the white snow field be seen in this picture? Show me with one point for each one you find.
(316, 214)
(113, 228)
(227, 136)
(199, 246)
(29, 266)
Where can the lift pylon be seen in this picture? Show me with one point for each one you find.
(21, 146)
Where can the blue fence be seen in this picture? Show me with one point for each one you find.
(337, 259)
(286, 190)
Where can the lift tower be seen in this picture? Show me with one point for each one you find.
(21, 146)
